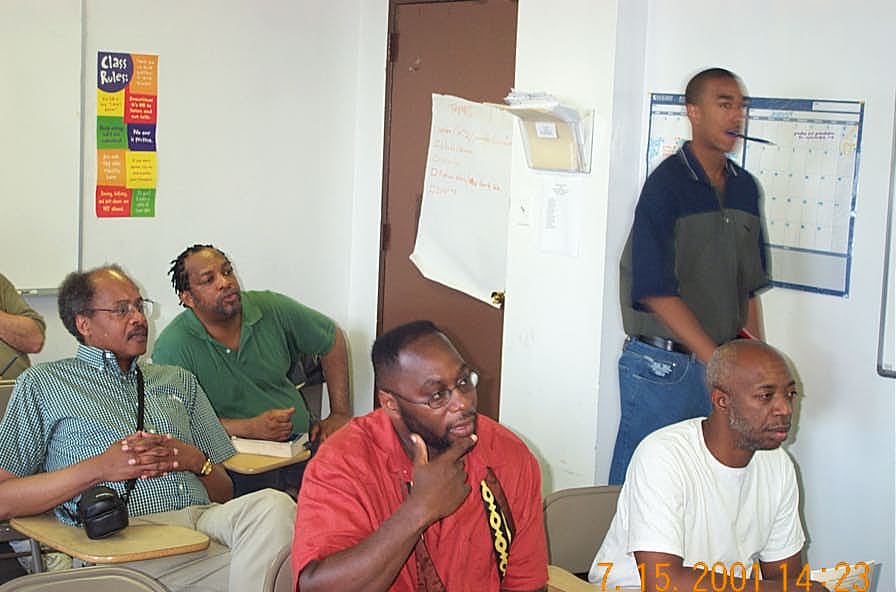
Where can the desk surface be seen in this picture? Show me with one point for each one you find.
(560, 580)
(134, 543)
(252, 464)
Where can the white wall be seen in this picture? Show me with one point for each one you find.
(262, 116)
(552, 320)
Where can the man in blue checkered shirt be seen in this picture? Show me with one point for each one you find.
(71, 424)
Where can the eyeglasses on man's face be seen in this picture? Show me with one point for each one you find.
(123, 309)
(466, 383)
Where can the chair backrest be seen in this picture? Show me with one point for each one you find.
(5, 394)
(576, 521)
(100, 578)
(279, 575)
(308, 376)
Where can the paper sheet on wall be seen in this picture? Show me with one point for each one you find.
(560, 229)
(462, 233)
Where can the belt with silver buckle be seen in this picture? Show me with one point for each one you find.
(663, 343)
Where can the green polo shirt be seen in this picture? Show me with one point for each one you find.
(252, 379)
(12, 302)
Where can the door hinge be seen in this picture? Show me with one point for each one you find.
(385, 235)
(393, 48)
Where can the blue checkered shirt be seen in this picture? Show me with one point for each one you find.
(64, 412)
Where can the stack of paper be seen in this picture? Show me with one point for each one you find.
(287, 449)
(553, 134)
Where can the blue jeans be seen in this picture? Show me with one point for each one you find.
(656, 388)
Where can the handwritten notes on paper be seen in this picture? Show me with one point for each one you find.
(462, 233)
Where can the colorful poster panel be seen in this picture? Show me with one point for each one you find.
(126, 117)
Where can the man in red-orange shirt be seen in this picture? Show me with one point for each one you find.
(422, 491)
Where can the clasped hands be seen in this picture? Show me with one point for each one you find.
(146, 455)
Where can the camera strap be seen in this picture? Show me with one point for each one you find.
(131, 483)
(141, 405)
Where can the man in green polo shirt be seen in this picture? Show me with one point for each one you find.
(241, 346)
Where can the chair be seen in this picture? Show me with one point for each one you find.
(308, 376)
(7, 533)
(576, 521)
(279, 575)
(134, 543)
(5, 394)
(104, 578)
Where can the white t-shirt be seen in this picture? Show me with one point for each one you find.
(678, 499)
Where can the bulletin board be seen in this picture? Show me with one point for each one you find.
(808, 175)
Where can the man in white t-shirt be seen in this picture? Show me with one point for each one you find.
(714, 494)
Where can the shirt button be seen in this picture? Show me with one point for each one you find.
(227, 350)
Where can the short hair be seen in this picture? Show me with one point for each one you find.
(76, 295)
(179, 278)
(695, 86)
(723, 363)
(720, 367)
(387, 347)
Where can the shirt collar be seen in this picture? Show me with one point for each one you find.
(695, 169)
(103, 359)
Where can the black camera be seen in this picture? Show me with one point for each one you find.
(102, 512)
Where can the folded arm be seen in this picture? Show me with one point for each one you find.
(21, 332)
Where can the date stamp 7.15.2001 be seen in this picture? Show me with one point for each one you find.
(739, 577)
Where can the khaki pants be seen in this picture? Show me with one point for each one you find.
(246, 535)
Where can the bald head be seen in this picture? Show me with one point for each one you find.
(721, 371)
(752, 392)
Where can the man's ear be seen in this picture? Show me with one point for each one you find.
(186, 298)
(388, 402)
(720, 400)
(693, 111)
(82, 324)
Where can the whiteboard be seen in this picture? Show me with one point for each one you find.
(40, 143)
(886, 347)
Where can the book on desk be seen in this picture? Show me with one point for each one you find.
(296, 444)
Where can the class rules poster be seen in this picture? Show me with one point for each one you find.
(126, 117)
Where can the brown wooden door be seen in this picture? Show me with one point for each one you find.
(462, 48)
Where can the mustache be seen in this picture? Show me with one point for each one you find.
(140, 331)
(469, 414)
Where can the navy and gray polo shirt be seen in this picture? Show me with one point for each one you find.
(691, 242)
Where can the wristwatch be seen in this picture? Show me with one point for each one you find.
(207, 467)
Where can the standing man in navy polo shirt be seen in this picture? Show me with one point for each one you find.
(691, 268)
